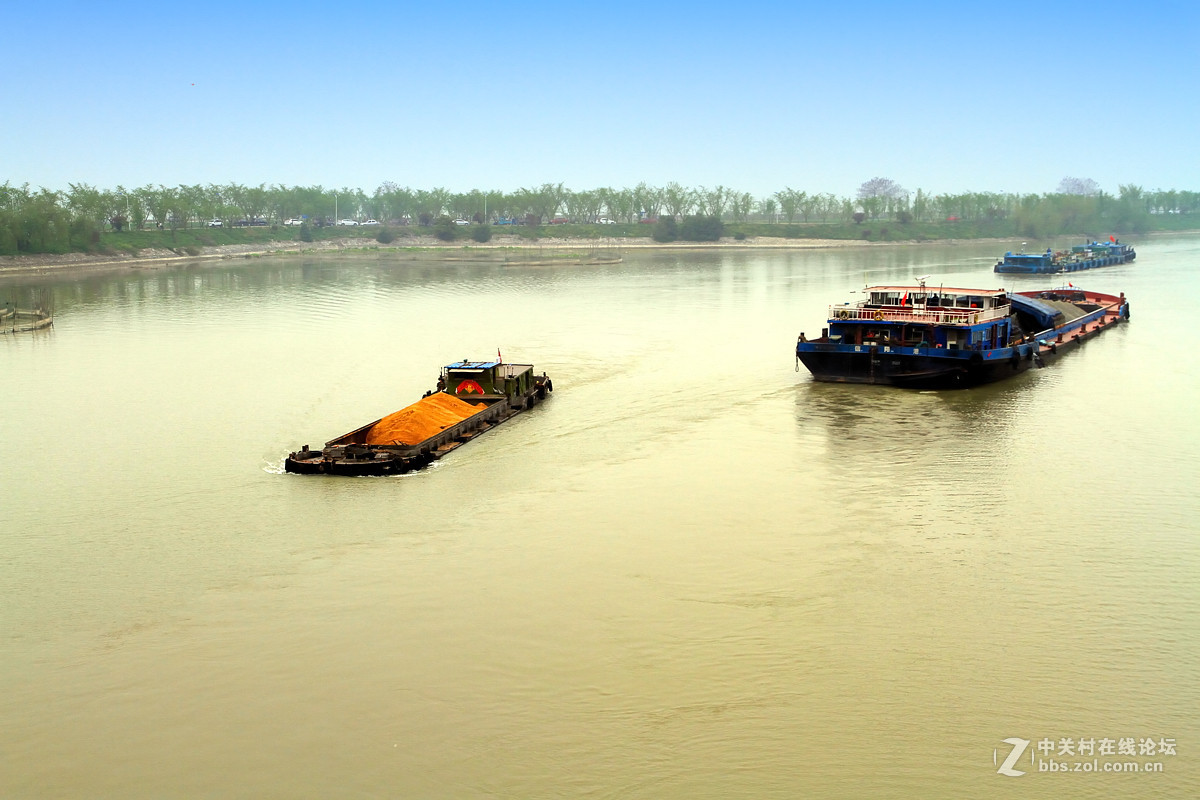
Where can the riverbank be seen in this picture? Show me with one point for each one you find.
(512, 249)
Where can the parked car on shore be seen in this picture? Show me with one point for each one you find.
(371, 222)
(293, 221)
(461, 221)
(606, 221)
(347, 222)
(215, 223)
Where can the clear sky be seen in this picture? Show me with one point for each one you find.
(1007, 96)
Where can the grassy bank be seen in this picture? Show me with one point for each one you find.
(193, 241)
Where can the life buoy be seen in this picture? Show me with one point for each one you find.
(842, 314)
(878, 316)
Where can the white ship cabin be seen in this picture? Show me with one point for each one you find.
(909, 298)
(941, 305)
(920, 316)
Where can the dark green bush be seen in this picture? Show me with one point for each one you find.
(481, 233)
(666, 230)
(444, 229)
(698, 228)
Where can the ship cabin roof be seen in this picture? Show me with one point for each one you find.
(475, 365)
(501, 369)
(1031, 259)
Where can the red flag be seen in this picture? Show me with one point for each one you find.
(499, 357)
(1111, 239)
(1070, 284)
(904, 300)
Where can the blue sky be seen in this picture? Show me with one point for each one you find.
(755, 96)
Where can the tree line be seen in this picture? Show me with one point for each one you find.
(44, 220)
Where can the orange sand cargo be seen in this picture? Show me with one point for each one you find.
(427, 417)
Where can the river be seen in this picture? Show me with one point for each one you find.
(693, 573)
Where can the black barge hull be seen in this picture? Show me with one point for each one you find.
(913, 371)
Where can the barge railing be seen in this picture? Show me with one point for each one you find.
(964, 316)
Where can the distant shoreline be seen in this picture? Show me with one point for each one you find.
(71, 265)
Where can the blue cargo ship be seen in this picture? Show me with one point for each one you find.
(1079, 257)
(945, 338)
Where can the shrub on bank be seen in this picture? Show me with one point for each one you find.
(445, 229)
(666, 230)
(697, 228)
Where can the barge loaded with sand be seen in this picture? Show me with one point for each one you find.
(472, 397)
(1082, 256)
(948, 338)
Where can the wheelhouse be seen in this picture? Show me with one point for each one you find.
(921, 317)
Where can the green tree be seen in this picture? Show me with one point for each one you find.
(677, 200)
(430, 203)
(766, 208)
(712, 202)
(789, 203)
(740, 205)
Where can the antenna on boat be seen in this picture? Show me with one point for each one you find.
(921, 279)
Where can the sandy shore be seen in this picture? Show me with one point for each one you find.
(75, 264)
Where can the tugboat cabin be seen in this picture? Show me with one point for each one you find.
(486, 380)
(920, 317)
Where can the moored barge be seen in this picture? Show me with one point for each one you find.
(921, 338)
(1079, 257)
(472, 397)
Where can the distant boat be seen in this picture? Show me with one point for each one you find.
(1079, 257)
(949, 338)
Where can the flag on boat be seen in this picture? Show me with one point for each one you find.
(499, 357)
(1112, 238)
(904, 300)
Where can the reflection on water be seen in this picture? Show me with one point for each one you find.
(694, 572)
